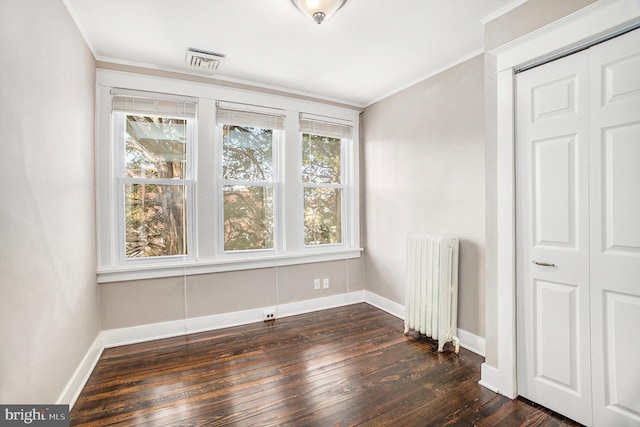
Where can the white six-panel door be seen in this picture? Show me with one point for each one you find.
(578, 216)
(553, 232)
(615, 230)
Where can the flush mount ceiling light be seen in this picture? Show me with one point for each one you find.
(318, 10)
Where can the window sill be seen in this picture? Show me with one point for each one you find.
(153, 271)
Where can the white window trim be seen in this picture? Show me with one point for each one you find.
(275, 183)
(348, 147)
(207, 256)
(118, 121)
(346, 223)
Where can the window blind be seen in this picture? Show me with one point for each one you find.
(246, 117)
(155, 104)
(325, 128)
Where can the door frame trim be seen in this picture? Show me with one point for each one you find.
(580, 28)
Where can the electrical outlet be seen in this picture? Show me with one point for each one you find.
(269, 315)
(316, 284)
(325, 283)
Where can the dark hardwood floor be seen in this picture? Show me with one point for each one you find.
(341, 367)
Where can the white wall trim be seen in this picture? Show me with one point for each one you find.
(576, 29)
(83, 32)
(317, 304)
(216, 79)
(384, 304)
(143, 82)
(112, 265)
(506, 237)
(154, 331)
(226, 320)
(143, 333)
(490, 377)
(588, 24)
(178, 269)
(468, 340)
(431, 74)
(82, 373)
(472, 342)
(136, 334)
(502, 11)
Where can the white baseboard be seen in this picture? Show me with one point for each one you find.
(142, 333)
(384, 304)
(472, 342)
(135, 334)
(237, 318)
(489, 377)
(81, 375)
(223, 320)
(317, 304)
(468, 340)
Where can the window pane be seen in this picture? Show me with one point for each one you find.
(155, 220)
(322, 216)
(247, 153)
(248, 217)
(321, 159)
(156, 147)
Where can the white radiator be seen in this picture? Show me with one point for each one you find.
(431, 306)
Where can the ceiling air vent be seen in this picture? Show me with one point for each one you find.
(203, 60)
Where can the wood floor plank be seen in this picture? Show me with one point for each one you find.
(346, 366)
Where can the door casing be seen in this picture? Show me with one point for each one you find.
(578, 29)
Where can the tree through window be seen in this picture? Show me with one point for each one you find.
(152, 141)
(155, 155)
(248, 185)
(322, 178)
(168, 163)
(247, 159)
(323, 181)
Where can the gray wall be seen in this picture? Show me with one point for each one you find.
(49, 304)
(423, 156)
(529, 16)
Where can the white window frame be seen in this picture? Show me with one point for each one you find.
(205, 250)
(278, 136)
(346, 185)
(119, 119)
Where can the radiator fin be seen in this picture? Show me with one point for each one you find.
(431, 301)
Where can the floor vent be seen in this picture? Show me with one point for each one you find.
(203, 60)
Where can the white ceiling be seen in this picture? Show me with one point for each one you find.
(368, 50)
